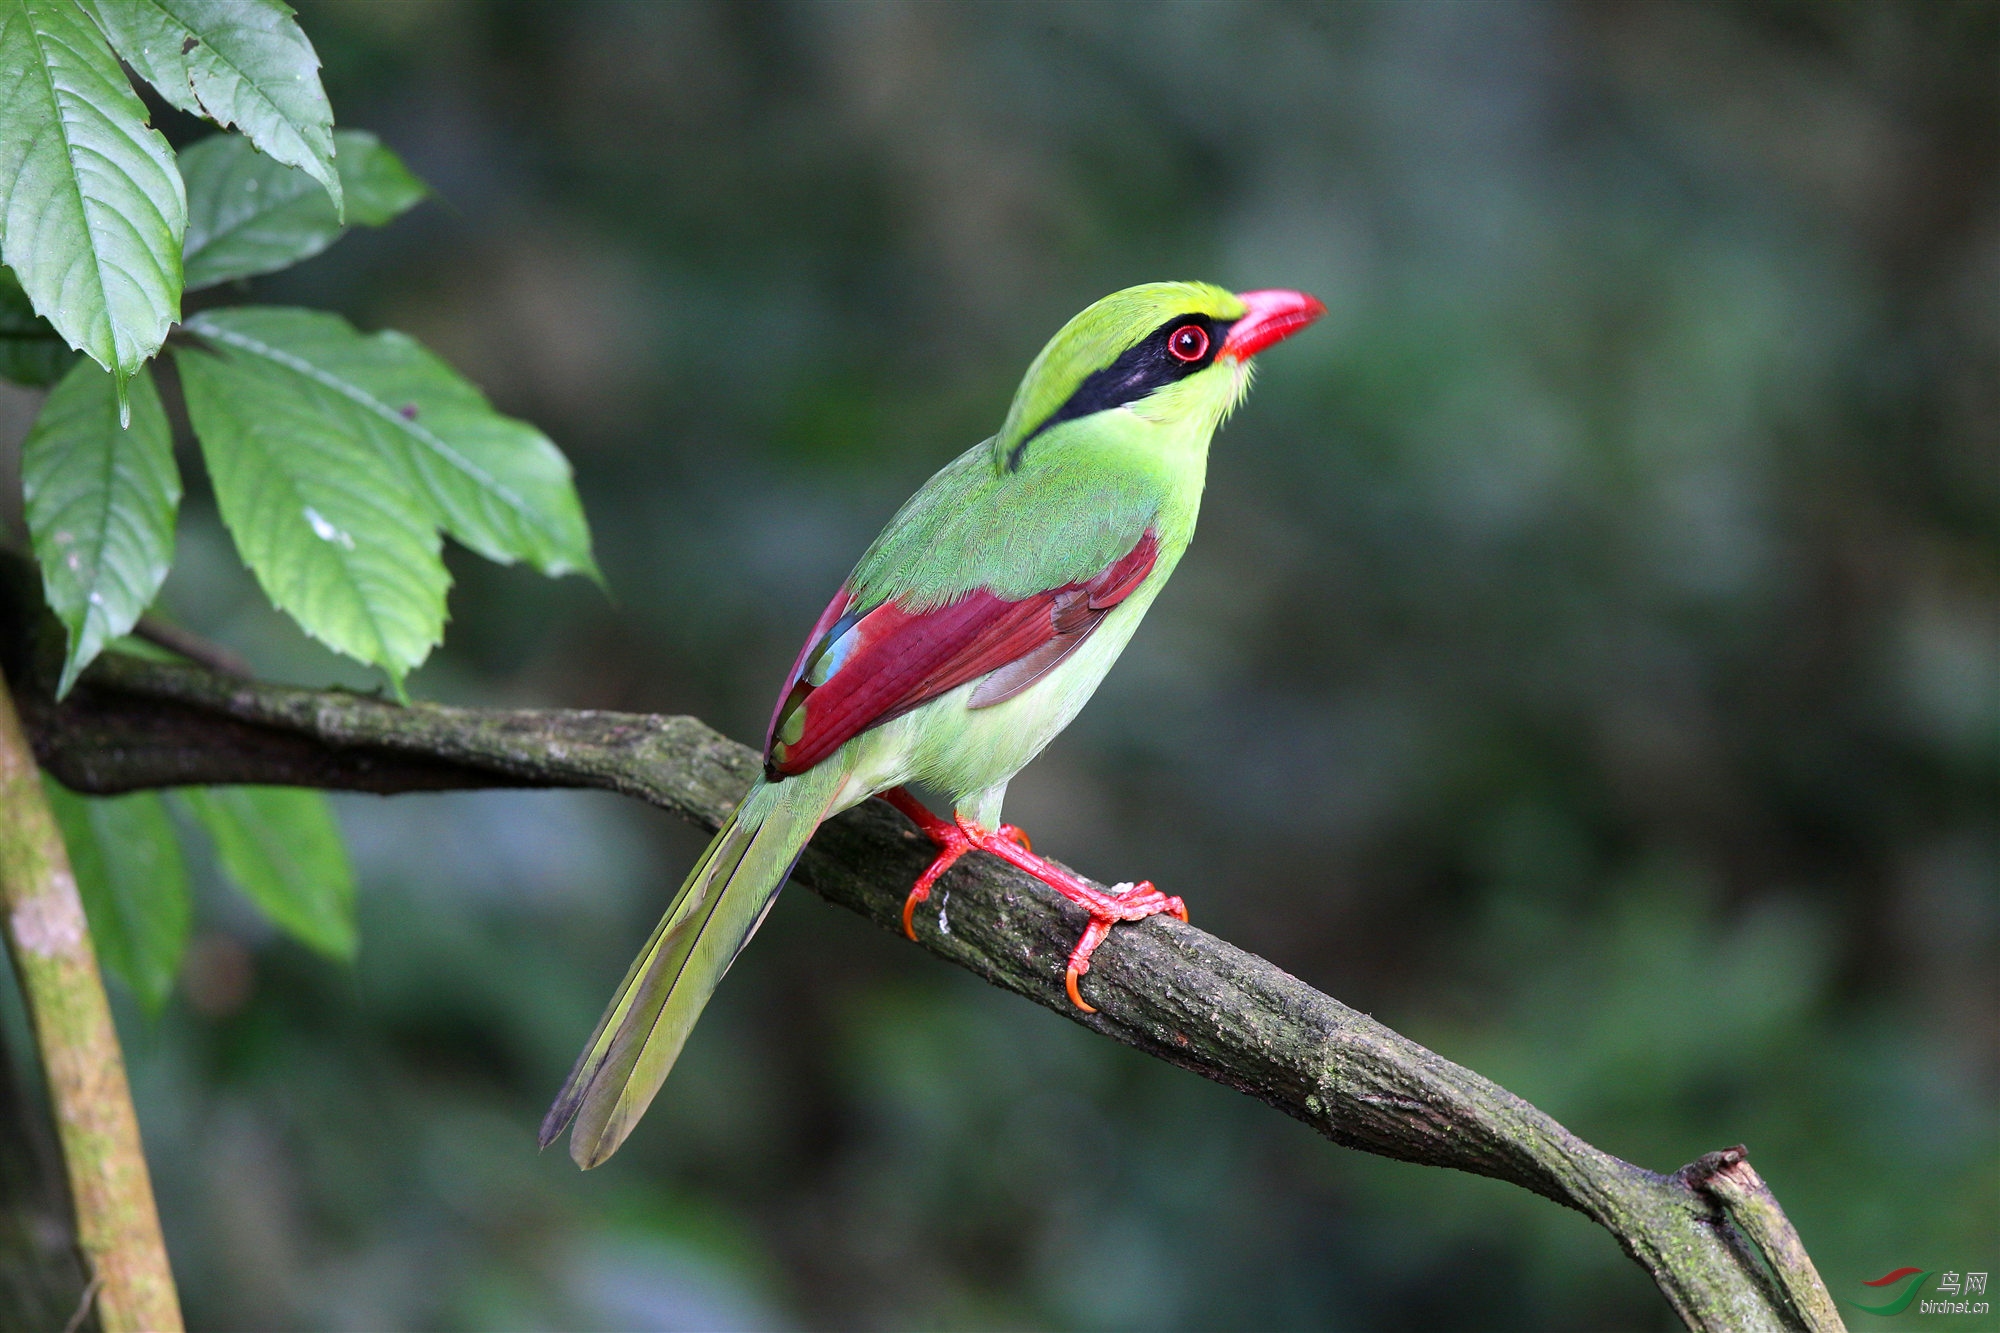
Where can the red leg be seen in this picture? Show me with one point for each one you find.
(955, 837)
(952, 843)
(937, 830)
(1135, 903)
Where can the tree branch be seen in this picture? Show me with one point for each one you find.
(1729, 1176)
(1160, 986)
(117, 1226)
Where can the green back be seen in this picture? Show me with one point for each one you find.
(1084, 492)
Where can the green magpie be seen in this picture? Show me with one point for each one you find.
(970, 633)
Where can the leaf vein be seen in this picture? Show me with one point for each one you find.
(516, 503)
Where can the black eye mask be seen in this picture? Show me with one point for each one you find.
(1145, 366)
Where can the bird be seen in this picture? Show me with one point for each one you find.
(969, 634)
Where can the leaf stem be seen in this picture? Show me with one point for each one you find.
(117, 1226)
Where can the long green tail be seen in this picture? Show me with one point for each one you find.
(714, 915)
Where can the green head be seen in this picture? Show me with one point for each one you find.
(1176, 354)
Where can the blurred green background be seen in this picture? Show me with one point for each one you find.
(1589, 662)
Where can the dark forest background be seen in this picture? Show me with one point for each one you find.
(1589, 662)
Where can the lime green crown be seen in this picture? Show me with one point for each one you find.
(1099, 336)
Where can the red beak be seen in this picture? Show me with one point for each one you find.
(1273, 316)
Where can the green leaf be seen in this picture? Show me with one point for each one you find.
(91, 206)
(496, 484)
(133, 882)
(100, 501)
(248, 214)
(380, 188)
(241, 63)
(335, 529)
(281, 846)
(31, 351)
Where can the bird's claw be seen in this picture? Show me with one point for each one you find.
(1075, 995)
(952, 843)
(1131, 902)
(955, 837)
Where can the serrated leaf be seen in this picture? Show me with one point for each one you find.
(496, 484)
(134, 884)
(31, 351)
(335, 529)
(91, 206)
(100, 500)
(282, 847)
(241, 63)
(248, 214)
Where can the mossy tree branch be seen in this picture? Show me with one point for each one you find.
(117, 1227)
(1160, 986)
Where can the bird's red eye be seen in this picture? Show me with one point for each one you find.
(1189, 342)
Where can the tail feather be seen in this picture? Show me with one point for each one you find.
(728, 845)
(717, 910)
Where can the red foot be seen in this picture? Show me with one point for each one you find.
(951, 843)
(954, 838)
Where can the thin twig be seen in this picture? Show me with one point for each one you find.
(188, 644)
(84, 1302)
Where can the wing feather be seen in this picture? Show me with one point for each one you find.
(889, 659)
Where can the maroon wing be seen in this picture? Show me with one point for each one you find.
(862, 666)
